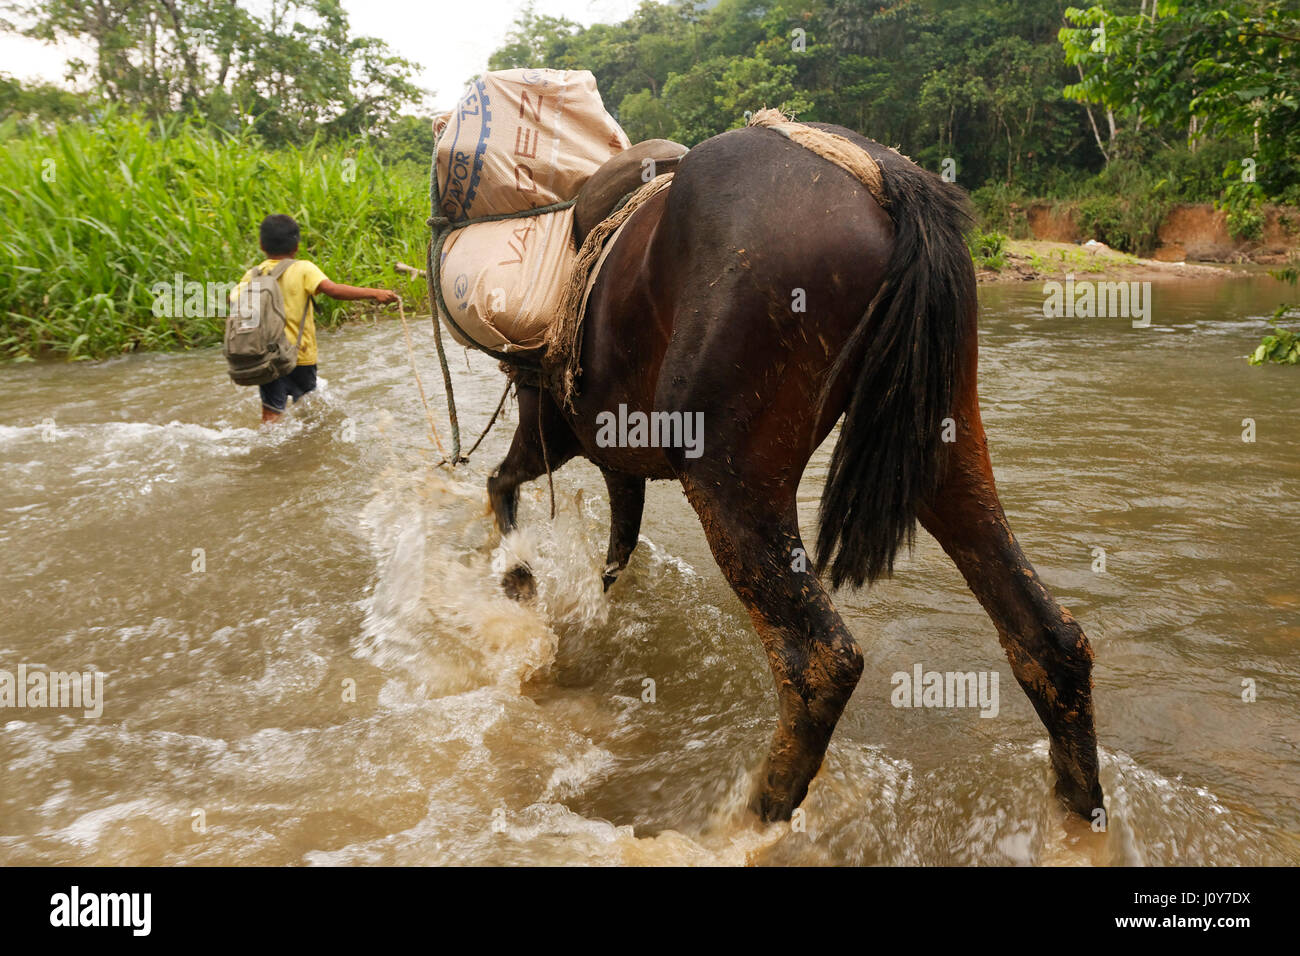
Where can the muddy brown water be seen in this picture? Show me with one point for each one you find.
(481, 731)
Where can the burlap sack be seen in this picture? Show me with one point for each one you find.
(520, 139)
(503, 281)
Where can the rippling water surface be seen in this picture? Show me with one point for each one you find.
(333, 556)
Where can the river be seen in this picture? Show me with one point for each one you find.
(307, 658)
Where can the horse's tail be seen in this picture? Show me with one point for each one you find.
(906, 356)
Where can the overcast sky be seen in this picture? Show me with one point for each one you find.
(451, 40)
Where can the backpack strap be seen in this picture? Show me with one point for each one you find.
(276, 272)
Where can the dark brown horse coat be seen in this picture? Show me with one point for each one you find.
(770, 292)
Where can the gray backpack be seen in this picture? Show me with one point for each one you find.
(256, 348)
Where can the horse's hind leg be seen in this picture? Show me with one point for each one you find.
(813, 656)
(1049, 653)
(539, 422)
(626, 503)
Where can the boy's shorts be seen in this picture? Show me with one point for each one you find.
(275, 395)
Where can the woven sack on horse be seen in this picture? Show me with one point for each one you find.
(502, 281)
(519, 141)
(507, 268)
(523, 139)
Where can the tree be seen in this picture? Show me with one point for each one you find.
(1231, 67)
(408, 139)
(40, 101)
(644, 116)
(995, 85)
(753, 83)
(533, 40)
(290, 71)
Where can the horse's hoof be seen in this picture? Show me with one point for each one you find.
(518, 583)
(1078, 796)
(610, 574)
(1083, 801)
(773, 805)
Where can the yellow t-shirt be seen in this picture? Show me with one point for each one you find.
(299, 281)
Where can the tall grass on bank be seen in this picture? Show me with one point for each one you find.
(96, 215)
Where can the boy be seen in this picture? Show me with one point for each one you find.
(279, 235)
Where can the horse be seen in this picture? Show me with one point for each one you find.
(698, 310)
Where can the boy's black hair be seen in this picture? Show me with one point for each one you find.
(279, 234)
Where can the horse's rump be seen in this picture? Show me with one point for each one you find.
(754, 222)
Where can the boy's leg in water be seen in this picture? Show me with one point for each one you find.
(302, 382)
(276, 395)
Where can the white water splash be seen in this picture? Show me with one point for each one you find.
(437, 611)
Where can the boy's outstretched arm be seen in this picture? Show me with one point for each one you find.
(350, 293)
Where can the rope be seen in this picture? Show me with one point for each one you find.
(410, 351)
(442, 222)
(403, 267)
(491, 421)
(434, 282)
(443, 227)
(546, 459)
(446, 376)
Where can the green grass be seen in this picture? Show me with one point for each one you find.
(1077, 259)
(1081, 259)
(987, 249)
(95, 215)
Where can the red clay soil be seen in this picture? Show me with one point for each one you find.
(1190, 232)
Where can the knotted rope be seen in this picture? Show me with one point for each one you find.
(560, 352)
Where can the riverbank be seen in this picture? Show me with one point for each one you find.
(1201, 232)
(1027, 260)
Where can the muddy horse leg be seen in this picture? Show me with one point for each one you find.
(539, 422)
(813, 657)
(626, 503)
(1049, 653)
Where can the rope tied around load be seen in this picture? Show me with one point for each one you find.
(559, 359)
(563, 338)
(443, 226)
